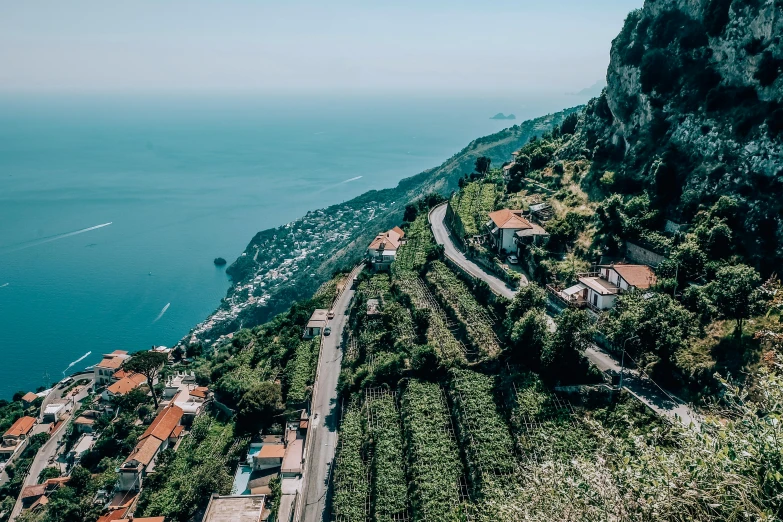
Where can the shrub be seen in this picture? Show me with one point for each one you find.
(716, 16)
(768, 69)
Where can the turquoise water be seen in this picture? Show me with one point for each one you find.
(182, 180)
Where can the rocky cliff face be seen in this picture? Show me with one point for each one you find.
(693, 109)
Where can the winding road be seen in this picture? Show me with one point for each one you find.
(324, 414)
(645, 390)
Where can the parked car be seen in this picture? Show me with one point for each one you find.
(330, 314)
(327, 330)
(512, 259)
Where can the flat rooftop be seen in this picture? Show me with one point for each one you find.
(318, 318)
(235, 508)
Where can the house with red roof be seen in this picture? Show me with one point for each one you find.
(162, 433)
(382, 251)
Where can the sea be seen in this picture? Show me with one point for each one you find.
(113, 207)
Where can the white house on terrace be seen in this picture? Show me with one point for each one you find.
(599, 289)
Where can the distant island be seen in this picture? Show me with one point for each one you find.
(219, 261)
(501, 116)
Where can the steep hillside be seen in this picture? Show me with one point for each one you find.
(692, 111)
(288, 263)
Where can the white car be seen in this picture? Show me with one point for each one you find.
(512, 259)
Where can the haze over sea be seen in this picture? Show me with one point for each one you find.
(182, 180)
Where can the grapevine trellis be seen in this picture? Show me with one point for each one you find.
(352, 349)
(485, 437)
(351, 478)
(389, 483)
(440, 331)
(458, 297)
(438, 489)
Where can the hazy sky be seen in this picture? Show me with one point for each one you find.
(450, 46)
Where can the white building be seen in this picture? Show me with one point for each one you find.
(103, 371)
(508, 227)
(599, 290)
(383, 249)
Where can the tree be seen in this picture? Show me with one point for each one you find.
(529, 297)
(48, 473)
(736, 294)
(563, 356)
(259, 406)
(148, 364)
(660, 324)
(529, 336)
(482, 164)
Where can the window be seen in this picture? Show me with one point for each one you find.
(595, 299)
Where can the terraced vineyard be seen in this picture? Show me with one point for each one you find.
(471, 207)
(459, 298)
(435, 468)
(301, 370)
(389, 485)
(351, 479)
(450, 350)
(419, 242)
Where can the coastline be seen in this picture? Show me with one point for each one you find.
(284, 264)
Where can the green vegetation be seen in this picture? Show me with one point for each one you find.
(351, 475)
(389, 486)
(470, 207)
(184, 480)
(433, 455)
(148, 364)
(301, 370)
(458, 298)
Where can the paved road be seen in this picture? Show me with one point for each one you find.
(646, 391)
(442, 237)
(324, 415)
(49, 449)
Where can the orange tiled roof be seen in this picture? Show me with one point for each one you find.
(164, 423)
(390, 240)
(110, 362)
(29, 397)
(145, 450)
(640, 276)
(35, 490)
(111, 516)
(177, 431)
(22, 426)
(506, 218)
(145, 519)
(127, 384)
(200, 392)
(272, 451)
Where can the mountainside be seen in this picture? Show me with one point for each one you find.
(288, 263)
(692, 111)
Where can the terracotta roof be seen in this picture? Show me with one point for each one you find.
(177, 431)
(29, 397)
(640, 276)
(111, 362)
(35, 490)
(57, 481)
(120, 374)
(390, 240)
(399, 231)
(119, 352)
(201, 392)
(506, 218)
(271, 451)
(164, 423)
(111, 516)
(22, 426)
(145, 450)
(127, 384)
(145, 519)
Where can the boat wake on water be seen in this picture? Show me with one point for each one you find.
(4, 285)
(36, 242)
(162, 312)
(77, 361)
